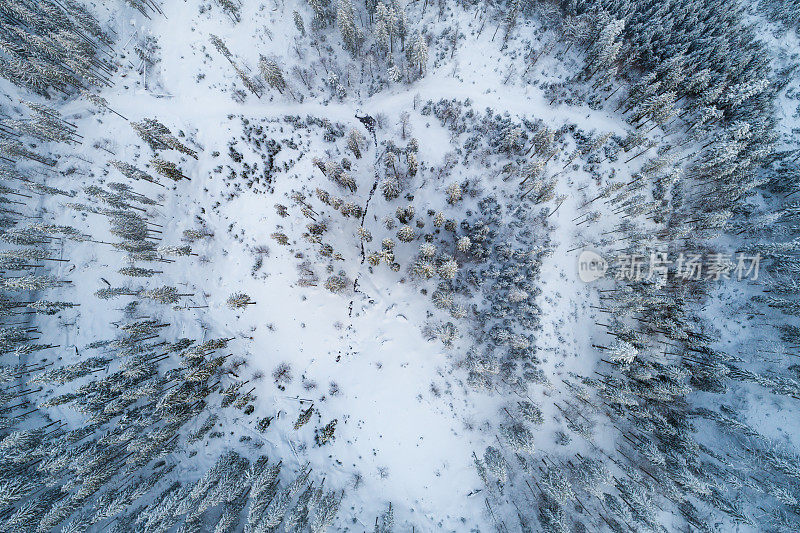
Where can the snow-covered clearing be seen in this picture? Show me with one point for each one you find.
(410, 319)
(407, 424)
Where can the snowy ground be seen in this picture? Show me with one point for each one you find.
(407, 423)
(407, 429)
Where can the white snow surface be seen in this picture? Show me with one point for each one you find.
(407, 423)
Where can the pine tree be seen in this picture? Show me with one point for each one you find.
(304, 417)
(163, 295)
(510, 18)
(231, 9)
(298, 23)
(326, 434)
(320, 8)
(239, 300)
(496, 464)
(296, 519)
(406, 234)
(518, 437)
(557, 486)
(356, 142)
(277, 508)
(454, 193)
(137, 272)
(219, 44)
(347, 26)
(385, 522)
(272, 74)
(605, 49)
(174, 250)
(251, 84)
(168, 169)
(419, 53)
(448, 269)
(30, 283)
(158, 137)
(100, 102)
(322, 515)
(15, 150)
(131, 172)
(382, 29)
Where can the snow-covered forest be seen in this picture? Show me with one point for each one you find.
(399, 266)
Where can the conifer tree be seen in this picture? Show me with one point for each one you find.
(419, 53)
(347, 26)
(158, 137)
(383, 27)
(168, 169)
(272, 74)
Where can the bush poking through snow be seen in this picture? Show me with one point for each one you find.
(337, 283)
